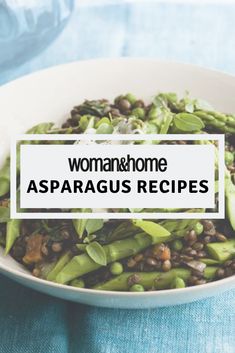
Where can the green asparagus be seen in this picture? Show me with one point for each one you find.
(150, 280)
(117, 250)
(222, 251)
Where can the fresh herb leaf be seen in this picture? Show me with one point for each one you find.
(80, 224)
(151, 228)
(89, 238)
(188, 122)
(92, 225)
(97, 253)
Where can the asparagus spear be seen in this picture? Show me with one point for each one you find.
(63, 260)
(222, 122)
(117, 250)
(230, 198)
(13, 232)
(157, 280)
(5, 170)
(222, 251)
(82, 264)
(5, 178)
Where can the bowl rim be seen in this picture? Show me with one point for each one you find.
(125, 294)
(114, 60)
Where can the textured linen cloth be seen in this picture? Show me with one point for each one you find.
(31, 322)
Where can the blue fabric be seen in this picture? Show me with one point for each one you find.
(33, 322)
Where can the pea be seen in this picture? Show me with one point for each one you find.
(104, 128)
(131, 98)
(116, 268)
(198, 228)
(179, 283)
(177, 245)
(138, 112)
(79, 283)
(229, 158)
(137, 288)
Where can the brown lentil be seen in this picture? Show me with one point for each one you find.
(124, 105)
(220, 273)
(166, 266)
(131, 263)
(56, 247)
(220, 237)
(207, 239)
(138, 257)
(192, 280)
(139, 104)
(186, 258)
(158, 249)
(201, 254)
(65, 234)
(151, 261)
(191, 237)
(36, 272)
(198, 246)
(207, 224)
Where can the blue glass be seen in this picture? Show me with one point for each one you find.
(28, 26)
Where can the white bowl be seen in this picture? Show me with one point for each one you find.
(50, 94)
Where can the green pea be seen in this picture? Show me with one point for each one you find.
(116, 268)
(198, 228)
(137, 288)
(104, 128)
(229, 158)
(79, 283)
(177, 245)
(138, 113)
(178, 283)
(131, 98)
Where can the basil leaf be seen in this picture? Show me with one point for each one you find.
(93, 225)
(89, 238)
(103, 121)
(4, 214)
(104, 128)
(97, 253)
(188, 122)
(80, 224)
(153, 229)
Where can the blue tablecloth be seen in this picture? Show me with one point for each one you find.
(33, 322)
